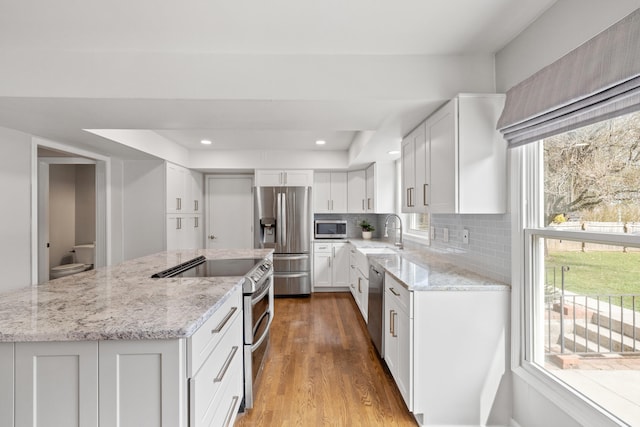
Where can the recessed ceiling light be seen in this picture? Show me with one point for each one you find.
(205, 142)
(394, 152)
(320, 142)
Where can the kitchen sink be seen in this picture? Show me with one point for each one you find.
(380, 250)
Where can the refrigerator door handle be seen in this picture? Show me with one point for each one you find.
(278, 218)
(283, 219)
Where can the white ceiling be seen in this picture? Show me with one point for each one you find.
(278, 29)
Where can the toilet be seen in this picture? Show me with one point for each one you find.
(83, 257)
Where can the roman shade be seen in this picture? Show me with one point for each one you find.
(596, 81)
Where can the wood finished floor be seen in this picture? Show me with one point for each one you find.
(322, 370)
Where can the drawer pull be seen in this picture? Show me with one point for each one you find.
(224, 321)
(229, 417)
(227, 363)
(393, 291)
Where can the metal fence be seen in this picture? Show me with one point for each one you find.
(589, 324)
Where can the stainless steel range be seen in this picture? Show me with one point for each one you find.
(257, 291)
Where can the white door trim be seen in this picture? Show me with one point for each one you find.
(103, 201)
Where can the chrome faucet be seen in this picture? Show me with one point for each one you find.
(399, 227)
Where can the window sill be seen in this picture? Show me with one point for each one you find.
(417, 238)
(568, 400)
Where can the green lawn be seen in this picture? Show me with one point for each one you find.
(598, 273)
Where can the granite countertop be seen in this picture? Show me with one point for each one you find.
(426, 269)
(119, 302)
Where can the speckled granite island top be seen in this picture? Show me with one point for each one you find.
(119, 302)
(428, 270)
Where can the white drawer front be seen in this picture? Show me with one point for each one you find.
(399, 292)
(322, 247)
(220, 375)
(205, 339)
(229, 402)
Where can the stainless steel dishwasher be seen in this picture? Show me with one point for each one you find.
(376, 307)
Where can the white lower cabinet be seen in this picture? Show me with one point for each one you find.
(142, 383)
(359, 280)
(447, 351)
(6, 383)
(56, 384)
(398, 343)
(216, 386)
(330, 265)
(188, 382)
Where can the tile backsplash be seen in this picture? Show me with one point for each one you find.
(489, 249)
(488, 252)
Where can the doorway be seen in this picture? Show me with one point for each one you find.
(229, 219)
(67, 206)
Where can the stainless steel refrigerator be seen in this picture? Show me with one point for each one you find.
(283, 222)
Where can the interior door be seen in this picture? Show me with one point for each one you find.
(229, 217)
(43, 221)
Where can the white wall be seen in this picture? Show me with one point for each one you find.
(15, 215)
(144, 207)
(117, 217)
(565, 26)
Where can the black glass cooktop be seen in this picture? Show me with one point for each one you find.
(201, 267)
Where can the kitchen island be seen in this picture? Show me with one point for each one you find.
(112, 346)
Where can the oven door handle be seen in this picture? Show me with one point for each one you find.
(290, 275)
(265, 333)
(256, 299)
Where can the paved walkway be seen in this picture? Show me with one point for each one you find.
(614, 382)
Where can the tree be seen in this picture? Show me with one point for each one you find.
(594, 166)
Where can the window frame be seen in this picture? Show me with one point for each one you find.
(527, 205)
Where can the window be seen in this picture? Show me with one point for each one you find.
(419, 222)
(582, 256)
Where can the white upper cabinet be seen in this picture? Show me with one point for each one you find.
(184, 208)
(468, 156)
(380, 191)
(284, 177)
(415, 171)
(184, 190)
(330, 192)
(356, 191)
(461, 167)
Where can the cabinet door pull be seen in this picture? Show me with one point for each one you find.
(226, 365)
(229, 417)
(195, 223)
(224, 321)
(393, 291)
(395, 333)
(391, 325)
(425, 194)
(359, 284)
(369, 203)
(177, 203)
(195, 205)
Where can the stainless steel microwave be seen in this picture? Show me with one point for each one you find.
(330, 229)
